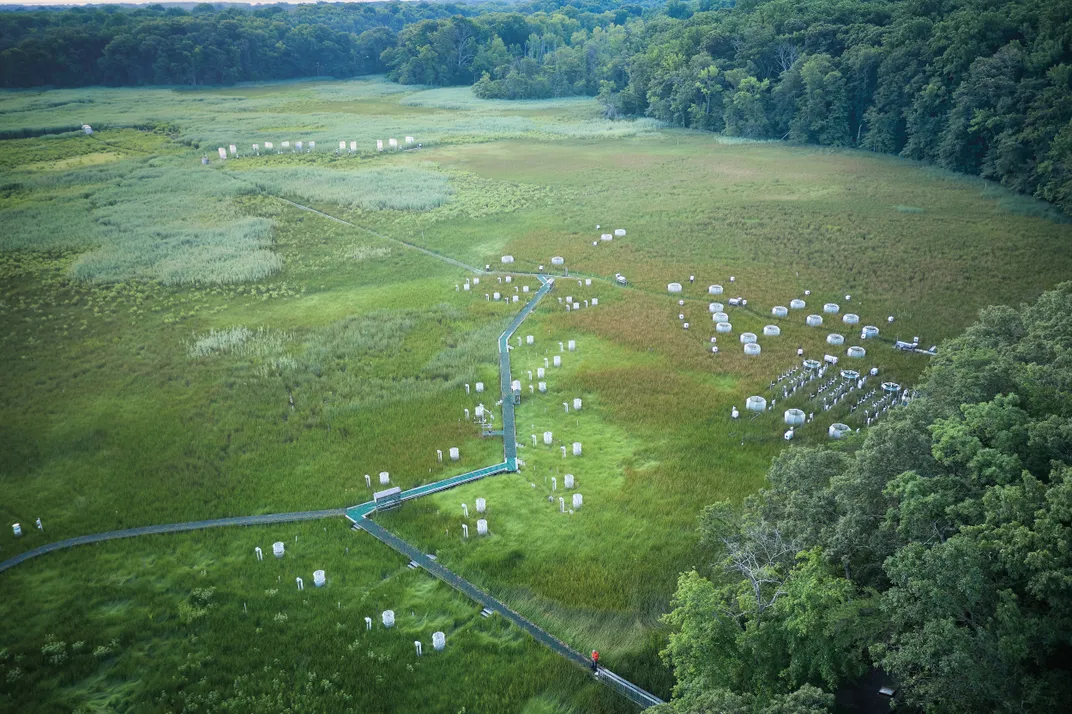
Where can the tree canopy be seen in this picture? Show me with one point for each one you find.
(982, 87)
(938, 550)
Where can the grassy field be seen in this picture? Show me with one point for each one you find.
(195, 623)
(180, 344)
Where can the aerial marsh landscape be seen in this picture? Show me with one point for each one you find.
(187, 340)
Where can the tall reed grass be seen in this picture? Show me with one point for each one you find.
(392, 187)
(147, 220)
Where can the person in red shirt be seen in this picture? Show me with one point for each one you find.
(595, 661)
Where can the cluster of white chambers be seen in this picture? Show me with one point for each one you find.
(829, 308)
(391, 143)
(618, 233)
(268, 146)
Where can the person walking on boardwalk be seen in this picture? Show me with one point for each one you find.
(595, 662)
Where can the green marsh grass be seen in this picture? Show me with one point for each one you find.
(463, 98)
(349, 354)
(398, 188)
(220, 434)
(320, 111)
(194, 622)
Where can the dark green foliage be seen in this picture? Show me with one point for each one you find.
(938, 552)
(154, 45)
(977, 86)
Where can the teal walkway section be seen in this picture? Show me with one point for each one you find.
(509, 426)
(265, 519)
(509, 430)
(356, 513)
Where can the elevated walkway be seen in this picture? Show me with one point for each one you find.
(364, 510)
(490, 604)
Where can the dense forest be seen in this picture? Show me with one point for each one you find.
(155, 44)
(982, 87)
(938, 549)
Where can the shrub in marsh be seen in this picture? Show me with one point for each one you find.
(54, 650)
(219, 341)
(240, 341)
(359, 253)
